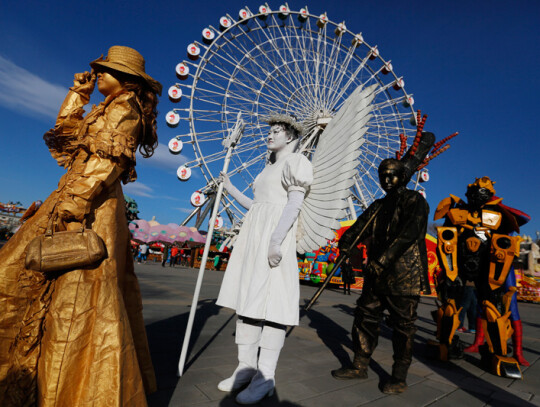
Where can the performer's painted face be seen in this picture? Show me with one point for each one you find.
(108, 84)
(278, 138)
(389, 178)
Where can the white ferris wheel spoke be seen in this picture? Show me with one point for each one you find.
(258, 67)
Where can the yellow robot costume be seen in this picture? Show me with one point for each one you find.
(474, 245)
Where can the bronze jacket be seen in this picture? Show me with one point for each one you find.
(396, 241)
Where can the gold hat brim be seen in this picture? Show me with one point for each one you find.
(154, 85)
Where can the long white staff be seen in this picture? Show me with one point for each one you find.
(230, 142)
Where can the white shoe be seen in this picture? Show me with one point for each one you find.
(259, 388)
(241, 376)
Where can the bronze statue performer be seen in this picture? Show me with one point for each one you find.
(397, 262)
(394, 277)
(77, 337)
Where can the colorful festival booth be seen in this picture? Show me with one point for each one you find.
(315, 266)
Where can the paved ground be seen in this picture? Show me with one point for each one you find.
(321, 343)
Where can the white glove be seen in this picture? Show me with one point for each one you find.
(287, 219)
(234, 192)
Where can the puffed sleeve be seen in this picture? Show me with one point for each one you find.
(297, 174)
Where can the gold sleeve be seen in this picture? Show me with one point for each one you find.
(96, 174)
(62, 139)
(111, 150)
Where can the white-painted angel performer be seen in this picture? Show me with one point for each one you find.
(261, 281)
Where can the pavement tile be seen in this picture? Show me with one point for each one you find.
(461, 398)
(326, 383)
(198, 376)
(530, 382)
(210, 390)
(511, 396)
(350, 396)
(187, 395)
(420, 369)
(320, 344)
(446, 388)
(293, 391)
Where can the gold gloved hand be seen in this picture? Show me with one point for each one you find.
(84, 83)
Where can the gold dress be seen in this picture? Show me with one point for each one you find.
(78, 338)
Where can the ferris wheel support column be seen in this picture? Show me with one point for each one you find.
(191, 215)
(230, 143)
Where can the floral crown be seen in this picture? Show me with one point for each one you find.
(277, 118)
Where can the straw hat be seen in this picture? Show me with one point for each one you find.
(129, 61)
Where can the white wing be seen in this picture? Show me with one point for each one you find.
(334, 166)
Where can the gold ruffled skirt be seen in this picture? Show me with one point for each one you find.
(77, 338)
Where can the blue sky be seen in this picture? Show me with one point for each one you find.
(471, 66)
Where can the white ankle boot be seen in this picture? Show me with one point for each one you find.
(247, 339)
(262, 384)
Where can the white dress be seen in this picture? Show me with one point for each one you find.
(250, 286)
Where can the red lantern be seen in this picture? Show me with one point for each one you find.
(263, 12)
(208, 35)
(340, 29)
(224, 23)
(183, 173)
(373, 53)
(175, 93)
(358, 40)
(172, 118)
(182, 71)
(399, 84)
(303, 16)
(175, 145)
(323, 19)
(283, 12)
(193, 51)
(387, 68)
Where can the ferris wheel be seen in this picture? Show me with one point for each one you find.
(282, 61)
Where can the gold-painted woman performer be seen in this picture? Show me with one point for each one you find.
(77, 338)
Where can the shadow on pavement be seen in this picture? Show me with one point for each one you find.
(165, 339)
(333, 335)
(336, 338)
(229, 401)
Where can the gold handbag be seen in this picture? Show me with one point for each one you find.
(55, 251)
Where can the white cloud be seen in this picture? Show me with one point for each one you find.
(184, 210)
(27, 93)
(162, 159)
(170, 198)
(139, 189)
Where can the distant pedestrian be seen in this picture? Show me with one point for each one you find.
(143, 252)
(164, 255)
(347, 275)
(470, 305)
(174, 256)
(217, 262)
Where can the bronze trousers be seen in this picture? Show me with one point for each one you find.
(366, 328)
